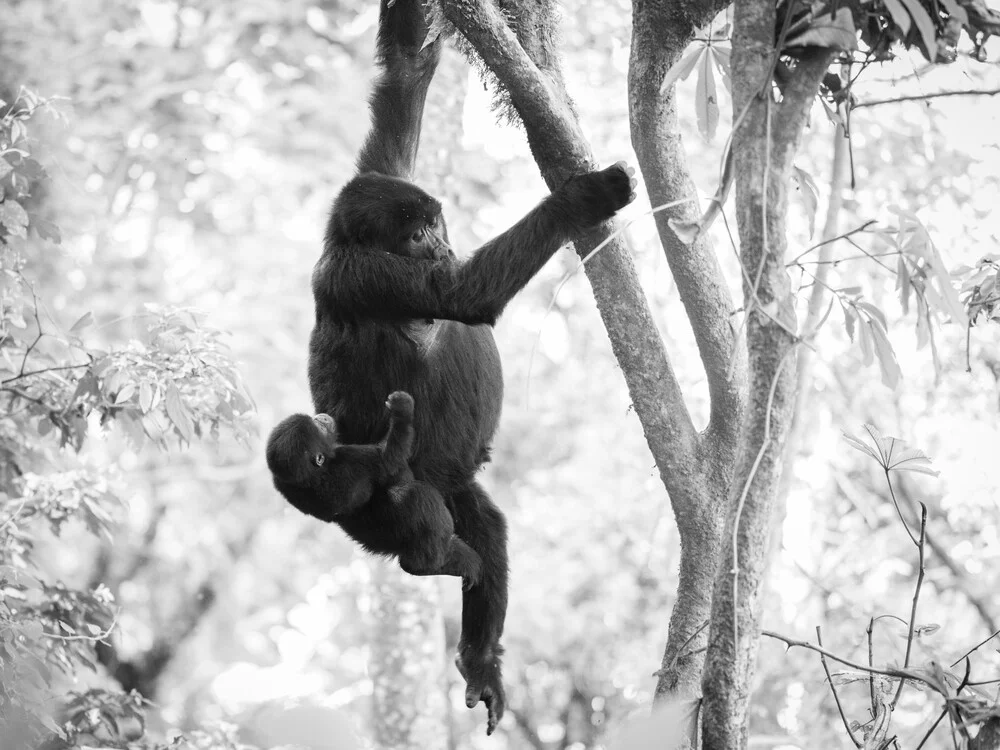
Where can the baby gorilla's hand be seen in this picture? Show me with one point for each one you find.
(400, 405)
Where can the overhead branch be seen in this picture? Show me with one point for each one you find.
(561, 150)
(925, 97)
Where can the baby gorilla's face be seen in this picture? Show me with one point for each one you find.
(299, 445)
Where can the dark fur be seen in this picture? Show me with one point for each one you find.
(370, 492)
(393, 315)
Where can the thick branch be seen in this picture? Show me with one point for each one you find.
(660, 32)
(764, 146)
(561, 150)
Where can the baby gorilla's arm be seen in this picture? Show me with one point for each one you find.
(399, 439)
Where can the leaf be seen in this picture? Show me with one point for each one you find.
(46, 229)
(850, 319)
(722, 53)
(911, 459)
(125, 393)
(923, 322)
(178, 413)
(862, 446)
(707, 99)
(683, 67)
(925, 25)
(85, 320)
(891, 374)
(828, 32)
(15, 218)
(956, 11)
(809, 194)
(865, 339)
(145, 397)
(903, 284)
(686, 231)
(5, 168)
(873, 312)
(899, 15)
(438, 26)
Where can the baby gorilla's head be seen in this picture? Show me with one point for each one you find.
(298, 446)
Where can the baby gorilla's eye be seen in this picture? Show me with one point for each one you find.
(318, 459)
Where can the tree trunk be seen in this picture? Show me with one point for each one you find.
(407, 664)
(764, 145)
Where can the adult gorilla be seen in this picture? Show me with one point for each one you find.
(396, 311)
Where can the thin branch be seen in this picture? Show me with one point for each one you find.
(899, 512)
(764, 443)
(899, 674)
(42, 371)
(916, 598)
(682, 649)
(975, 648)
(871, 663)
(925, 97)
(833, 689)
(97, 638)
(944, 712)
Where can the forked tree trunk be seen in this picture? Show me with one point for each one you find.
(764, 146)
(704, 473)
(407, 663)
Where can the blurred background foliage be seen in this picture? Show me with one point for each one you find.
(186, 152)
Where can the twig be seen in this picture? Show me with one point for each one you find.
(42, 371)
(837, 261)
(13, 516)
(916, 598)
(899, 512)
(746, 491)
(580, 264)
(975, 648)
(680, 651)
(888, 671)
(833, 689)
(930, 731)
(38, 322)
(98, 638)
(871, 663)
(924, 97)
(794, 261)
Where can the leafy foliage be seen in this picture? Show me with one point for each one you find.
(169, 385)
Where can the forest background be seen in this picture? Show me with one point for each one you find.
(189, 168)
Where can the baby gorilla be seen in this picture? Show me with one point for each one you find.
(370, 492)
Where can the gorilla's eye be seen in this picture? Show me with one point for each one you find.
(318, 459)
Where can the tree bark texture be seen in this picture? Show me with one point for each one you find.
(407, 664)
(560, 150)
(764, 144)
(660, 33)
